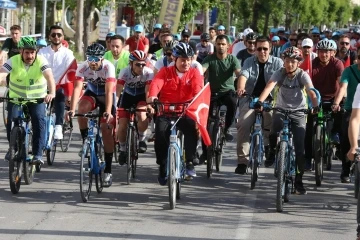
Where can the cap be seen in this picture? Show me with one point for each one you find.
(221, 27)
(186, 32)
(110, 34)
(247, 31)
(157, 26)
(315, 31)
(307, 42)
(138, 28)
(275, 38)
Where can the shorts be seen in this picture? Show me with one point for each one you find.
(128, 101)
(99, 101)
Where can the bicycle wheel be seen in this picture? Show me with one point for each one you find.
(210, 151)
(15, 162)
(129, 149)
(135, 154)
(219, 147)
(86, 173)
(5, 104)
(172, 178)
(318, 154)
(329, 156)
(29, 168)
(282, 156)
(99, 178)
(50, 153)
(255, 161)
(356, 180)
(67, 136)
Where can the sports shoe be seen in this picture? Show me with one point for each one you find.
(122, 158)
(299, 186)
(7, 156)
(240, 169)
(37, 160)
(151, 137)
(344, 178)
(229, 137)
(335, 139)
(142, 147)
(107, 180)
(58, 132)
(162, 176)
(190, 170)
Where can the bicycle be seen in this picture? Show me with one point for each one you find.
(175, 170)
(67, 133)
(132, 143)
(285, 165)
(5, 103)
(20, 142)
(50, 144)
(91, 156)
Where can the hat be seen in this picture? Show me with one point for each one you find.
(138, 28)
(315, 31)
(275, 38)
(221, 27)
(307, 42)
(110, 34)
(157, 26)
(186, 32)
(247, 31)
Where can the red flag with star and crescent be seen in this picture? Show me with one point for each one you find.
(67, 80)
(306, 65)
(198, 110)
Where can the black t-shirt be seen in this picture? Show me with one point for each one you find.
(260, 82)
(242, 56)
(10, 47)
(154, 47)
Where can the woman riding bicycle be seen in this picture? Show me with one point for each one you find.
(291, 82)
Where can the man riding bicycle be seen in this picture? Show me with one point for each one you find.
(99, 74)
(30, 77)
(134, 80)
(176, 84)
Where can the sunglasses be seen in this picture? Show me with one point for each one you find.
(344, 43)
(259, 49)
(293, 40)
(251, 42)
(168, 54)
(59, 35)
(93, 58)
(140, 64)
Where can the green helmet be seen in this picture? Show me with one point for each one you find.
(27, 43)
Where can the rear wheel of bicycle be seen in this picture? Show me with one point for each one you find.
(255, 161)
(67, 136)
(318, 155)
(129, 148)
(172, 179)
(86, 173)
(29, 168)
(15, 162)
(210, 151)
(50, 153)
(99, 178)
(135, 156)
(280, 176)
(356, 181)
(219, 145)
(5, 104)
(329, 156)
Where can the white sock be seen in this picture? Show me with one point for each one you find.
(142, 136)
(123, 147)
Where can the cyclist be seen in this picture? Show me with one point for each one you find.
(41, 43)
(221, 68)
(117, 55)
(250, 48)
(306, 47)
(10, 46)
(60, 60)
(212, 33)
(176, 84)
(30, 77)
(134, 80)
(291, 81)
(204, 48)
(254, 76)
(158, 46)
(185, 38)
(99, 74)
(345, 54)
(167, 58)
(108, 40)
(165, 37)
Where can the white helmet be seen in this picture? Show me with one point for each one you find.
(247, 31)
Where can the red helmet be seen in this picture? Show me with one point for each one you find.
(137, 55)
(293, 52)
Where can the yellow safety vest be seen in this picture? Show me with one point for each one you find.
(121, 63)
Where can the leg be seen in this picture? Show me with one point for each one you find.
(86, 104)
(309, 141)
(59, 104)
(230, 102)
(37, 114)
(276, 126)
(162, 132)
(345, 147)
(108, 140)
(142, 125)
(121, 134)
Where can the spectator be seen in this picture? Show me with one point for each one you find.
(138, 41)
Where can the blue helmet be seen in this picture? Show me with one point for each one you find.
(110, 34)
(41, 42)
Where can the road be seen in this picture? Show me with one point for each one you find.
(223, 207)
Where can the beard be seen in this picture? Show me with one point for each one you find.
(56, 43)
(343, 50)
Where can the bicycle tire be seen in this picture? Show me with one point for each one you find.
(85, 171)
(129, 137)
(318, 154)
(99, 179)
(5, 104)
(282, 156)
(29, 168)
(15, 164)
(50, 153)
(172, 183)
(218, 153)
(210, 151)
(67, 137)
(134, 159)
(356, 181)
(329, 156)
(255, 162)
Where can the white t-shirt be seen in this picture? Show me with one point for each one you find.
(237, 48)
(160, 63)
(356, 101)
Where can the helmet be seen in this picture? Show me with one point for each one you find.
(137, 55)
(170, 45)
(110, 34)
(205, 36)
(27, 43)
(41, 42)
(326, 45)
(183, 50)
(95, 49)
(293, 52)
(251, 36)
(247, 31)
(186, 32)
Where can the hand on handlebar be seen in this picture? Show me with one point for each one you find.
(258, 106)
(240, 92)
(69, 115)
(335, 107)
(108, 116)
(315, 110)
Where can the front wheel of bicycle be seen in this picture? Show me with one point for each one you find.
(15, 162)
(86, 173)
(281, 158)
(129, 149)
(318, 154)
(172, 178)
(210, 152)
(99, 178)
(67, 136)
(50, 153)
(220, 143)
(255, 161)
(29, 168)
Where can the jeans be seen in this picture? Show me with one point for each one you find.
(345, 144)
(59, 103)
(37, 113)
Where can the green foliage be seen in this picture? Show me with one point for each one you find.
(356, 14)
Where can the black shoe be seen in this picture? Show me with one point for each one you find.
(269, 162)
(122, 158)
(142, 147)
(270, 158)
(229, 137)
(345, 178)
(299, 186)
(162, 176)
(241, 169)
(196, 161)
(202, 159)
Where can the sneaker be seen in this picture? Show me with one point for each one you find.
(162, 176)
(240, 169)
(37, 160)
(345, 178)
(151, 137)
(190, 170)
(270, 158)
(299, 186)
(142, 147)
(202, 159)
(196, 160)
(7, 156)
(122, 158)
(58, 133)
(107, 180)
(229, 137)
(335, 139)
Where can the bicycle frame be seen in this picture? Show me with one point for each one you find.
(50, 123)
(174, 143)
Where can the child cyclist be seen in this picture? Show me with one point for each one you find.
(291, 81)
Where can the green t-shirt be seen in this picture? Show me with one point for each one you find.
(349, 78)
(119, 64)
(221, 72)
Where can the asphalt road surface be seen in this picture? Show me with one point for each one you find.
(222, 207)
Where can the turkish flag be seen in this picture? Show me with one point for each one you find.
(306, 65)
(66, 82)
(347, 61)
(198, 110)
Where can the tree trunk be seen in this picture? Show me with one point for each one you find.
(206, 23)
(256, 15)
(79, 27)
(266, 24)
(33, 19)
(87, 22)
(54, 13)
(229, 16)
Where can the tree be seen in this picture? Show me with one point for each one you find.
(79, 27)
(147, 12)
(356, 14)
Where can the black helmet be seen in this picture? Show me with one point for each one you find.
(95, 49)
(183, 50)
(205, 36)
(170, 45)
(251, 36)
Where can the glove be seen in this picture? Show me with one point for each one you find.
(258, 105)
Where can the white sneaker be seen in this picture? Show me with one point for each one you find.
(107, 180)
(58, 133)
